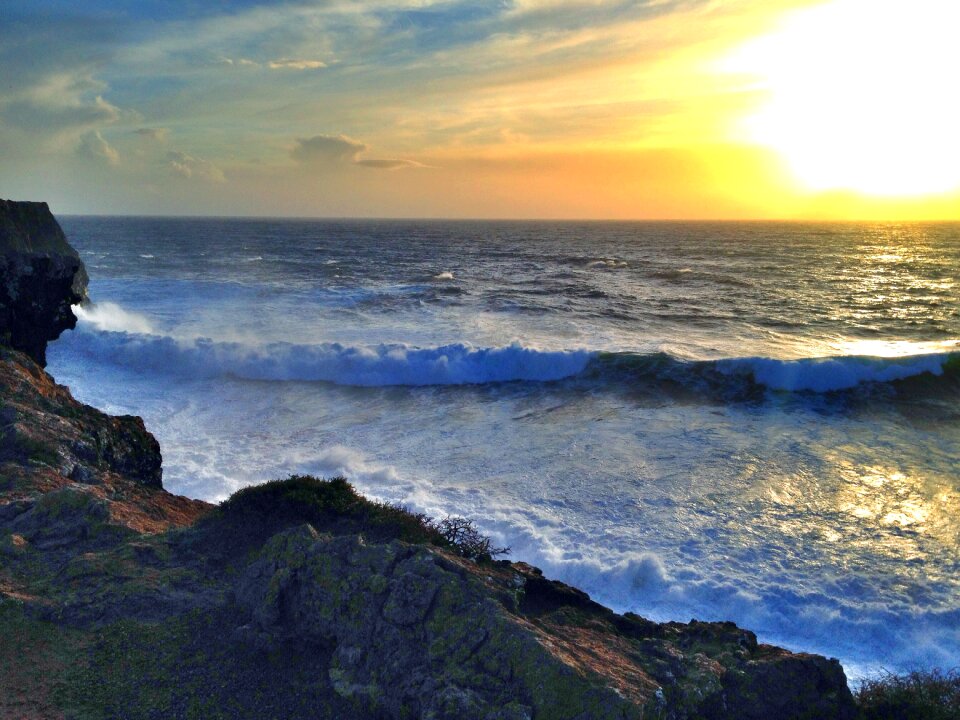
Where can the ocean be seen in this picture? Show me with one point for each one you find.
(757, 422)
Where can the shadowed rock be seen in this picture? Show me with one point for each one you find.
(41, 276)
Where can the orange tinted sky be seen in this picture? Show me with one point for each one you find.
(532, 108)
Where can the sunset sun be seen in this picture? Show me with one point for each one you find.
(860, 96)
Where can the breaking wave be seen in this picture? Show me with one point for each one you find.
(126, 339)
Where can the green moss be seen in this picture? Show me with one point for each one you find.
(34, 659)
(67, 502)
(37, 451)
(190, 667)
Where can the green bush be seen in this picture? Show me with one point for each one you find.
(929, 695)
(334, 506)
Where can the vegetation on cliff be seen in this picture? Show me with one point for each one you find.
(920, 695)
(260, 511)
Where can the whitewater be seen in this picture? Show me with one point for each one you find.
(746, 421)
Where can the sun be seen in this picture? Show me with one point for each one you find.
(860, 95)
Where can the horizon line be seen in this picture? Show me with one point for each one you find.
(436, 218)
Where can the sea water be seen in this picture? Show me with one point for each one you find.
(748, 421)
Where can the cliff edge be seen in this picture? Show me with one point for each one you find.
(41, 276)
(298, 598)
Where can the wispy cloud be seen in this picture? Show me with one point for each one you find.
(287, 64)
(153, 134)
(470, 90)
(93, 147)
(389, 163)
(237, 62)
(189, 167)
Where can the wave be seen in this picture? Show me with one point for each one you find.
(371, 366)
(747, 376)
(111, 334)
(830, 374)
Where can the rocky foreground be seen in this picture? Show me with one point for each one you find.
(299, 598)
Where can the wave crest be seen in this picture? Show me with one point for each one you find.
(112, 334)
(380, 365)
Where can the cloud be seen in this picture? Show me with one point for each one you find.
(326, 149)
(287, 64)
(330, 150)
(389, 163)
(58, 106)
(154, 134)
(239, 62)
(94, 147)
(190, 167)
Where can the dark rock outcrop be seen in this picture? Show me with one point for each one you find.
(41, 276)
(418, 633)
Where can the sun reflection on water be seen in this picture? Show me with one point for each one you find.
(901, 507)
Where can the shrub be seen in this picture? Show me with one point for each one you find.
(461, 535)
(930, 695)
(256, 512)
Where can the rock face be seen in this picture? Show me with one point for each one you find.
(41, 276)
(418, 633)
(299, 599)
(42, 426)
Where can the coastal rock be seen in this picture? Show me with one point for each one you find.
(413, 636)
(41, 276)
(43, 427)
(420, 633)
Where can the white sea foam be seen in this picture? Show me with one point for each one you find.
(110, 317)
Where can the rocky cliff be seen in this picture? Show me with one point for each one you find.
(299, 598)
(41, 276)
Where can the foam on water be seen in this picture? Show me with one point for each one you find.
(110, 317)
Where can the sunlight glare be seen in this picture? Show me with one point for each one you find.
(860, 95)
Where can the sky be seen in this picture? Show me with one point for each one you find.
(661, 109)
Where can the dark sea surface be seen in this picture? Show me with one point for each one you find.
(748, 421)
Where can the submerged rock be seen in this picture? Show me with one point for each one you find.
(41, 276)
